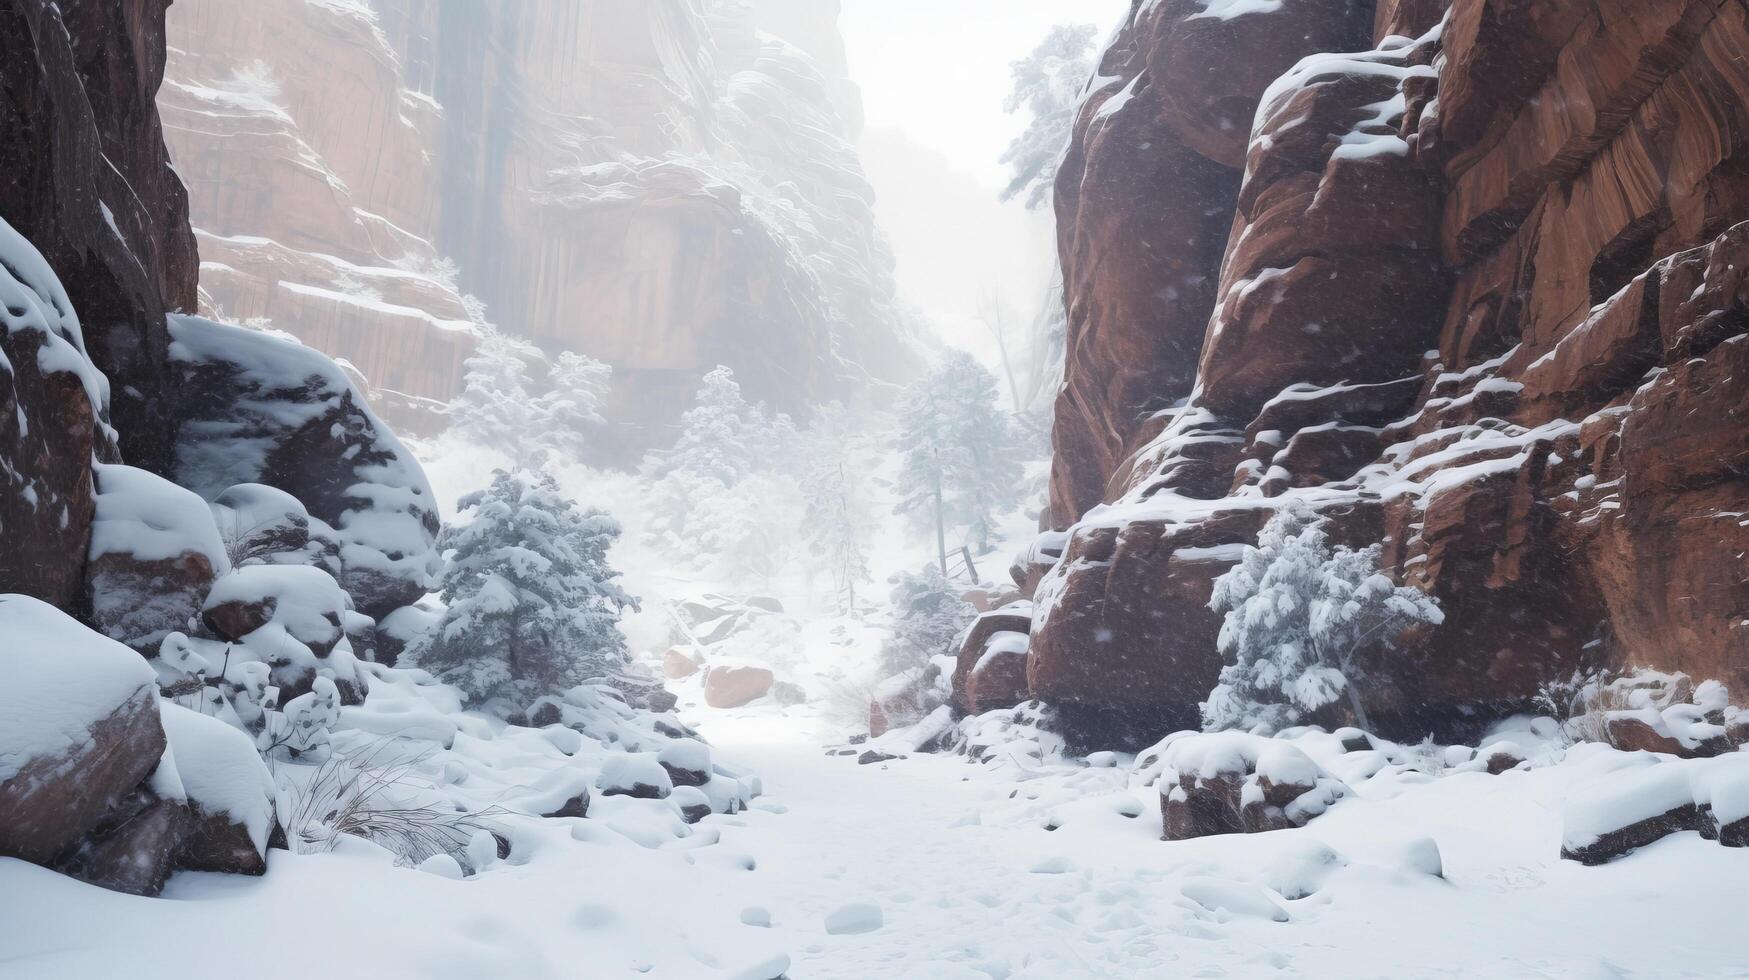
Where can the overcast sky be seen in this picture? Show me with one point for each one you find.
(938, 69)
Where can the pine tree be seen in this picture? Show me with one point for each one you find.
(532, 603)
(835, 518)
(498, 406)
(929, 615)
(1297, 617)
(959, 461)
(1048, 83)
(702, 502)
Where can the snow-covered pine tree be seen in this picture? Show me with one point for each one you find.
(929, 615)
(577, 386)
(1048, 83)
(701, 501)
(1297, 616)
(959, 465)
(835, 517)
(532, 604)
(498, 406)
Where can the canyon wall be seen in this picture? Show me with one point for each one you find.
(1473, 290)
(663, 185)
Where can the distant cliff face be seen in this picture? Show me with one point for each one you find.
(659, 185)
(1475, 294)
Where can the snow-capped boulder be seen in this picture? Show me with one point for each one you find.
(635, 774)
(1233, 782)
(228, 790)
(734, 686)
(1000, 680)
(263, 525)
(79, 728)
(399, 629)
(154, 554)
(1626, 810)
(693, 803)
(687, 761)
(291, 617)
(260, 408)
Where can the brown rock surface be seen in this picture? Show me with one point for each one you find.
(96, 736)
(1521, 303)
(732, 687)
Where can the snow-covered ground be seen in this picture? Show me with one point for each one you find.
(929, 867)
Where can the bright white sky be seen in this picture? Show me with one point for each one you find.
(938, 69)
(934, 75)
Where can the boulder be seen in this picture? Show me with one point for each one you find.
(155, 552)
(228, 790)
(134, 848)
(635, 774)
(265, 525)
(687, 762)
(257, 408)
(1010, 620)
(1627, 810)
(1232, 782)
(79, 728)
(679, 664)
(734, 686)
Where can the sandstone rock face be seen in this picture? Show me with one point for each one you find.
(89, 183)
(689, 182)
(1478, 335)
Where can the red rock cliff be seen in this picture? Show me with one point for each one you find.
(658, 187)
(1470, 293)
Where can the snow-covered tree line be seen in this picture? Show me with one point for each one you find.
(960, 461)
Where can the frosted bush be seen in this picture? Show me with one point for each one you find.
(1297, 616)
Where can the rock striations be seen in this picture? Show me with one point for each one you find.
(664, 186)
(1467, 277)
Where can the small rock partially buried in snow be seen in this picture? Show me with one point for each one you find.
(755, 915)
(1233, 897)
(443, 866)
(1421, 856)
(854, 919)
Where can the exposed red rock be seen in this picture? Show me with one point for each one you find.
(1479, 336)
(732, 687)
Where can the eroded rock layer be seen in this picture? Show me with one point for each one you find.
(1473, 290)
(660, 185)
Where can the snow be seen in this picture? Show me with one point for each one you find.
(33, 299)
(220, 771)
(59, 679)
(1349, 895)
(854, 919)
(147, 517)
